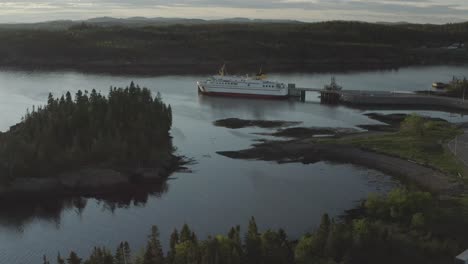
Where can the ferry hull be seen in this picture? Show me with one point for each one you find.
(244, 95)
(258, 95)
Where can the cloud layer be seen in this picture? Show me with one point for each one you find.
(423, 11)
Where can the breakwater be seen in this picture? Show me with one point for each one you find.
(400, 99)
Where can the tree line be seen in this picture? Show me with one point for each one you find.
(400, 227)
(302, 45)
(457, 87)
(128, 127)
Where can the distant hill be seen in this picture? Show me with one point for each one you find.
(136, 22)
(393, 23)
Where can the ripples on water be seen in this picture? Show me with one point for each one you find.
(220, 192)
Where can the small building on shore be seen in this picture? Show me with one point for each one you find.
(462, 258)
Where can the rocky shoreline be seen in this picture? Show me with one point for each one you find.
(306, 151)
(236, 123)
(90, 181)
(302, 147)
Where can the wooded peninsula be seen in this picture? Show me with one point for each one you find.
(201, 48)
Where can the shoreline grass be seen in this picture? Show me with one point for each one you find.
(418, 140)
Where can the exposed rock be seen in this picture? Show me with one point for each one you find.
(92, 178)
(91, 181)
(30, 185)
(235, 123)
(305, 132)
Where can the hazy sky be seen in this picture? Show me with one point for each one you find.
(425, 11)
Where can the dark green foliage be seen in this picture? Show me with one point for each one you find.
(185, 233)
(174, 240)
(276, 249)
(458, 87)
(128, 128)
(73, 258)
(401, 227)
(399, 206)
(123, 254)
(101, 256)
(349, 44)
(153, 253)
(252, 243)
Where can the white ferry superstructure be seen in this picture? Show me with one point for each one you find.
(238, 86)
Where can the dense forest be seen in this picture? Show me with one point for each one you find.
(129, 127)
(245, 46)
(400, 227)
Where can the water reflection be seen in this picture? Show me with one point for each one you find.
(220, 192)
(18, 214)
(258, 109)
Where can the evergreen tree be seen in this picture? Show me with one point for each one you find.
(122, 254)
(153, 253)
(322, 233)
(185, 234)
(100, 256)
(127, 253)
(73, 258)
(252, 244)
(174, 240)
(128, 128)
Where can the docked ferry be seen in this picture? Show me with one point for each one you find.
(238, 86)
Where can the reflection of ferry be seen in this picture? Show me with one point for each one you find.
(256, 87)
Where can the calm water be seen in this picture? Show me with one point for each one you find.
(220, 192)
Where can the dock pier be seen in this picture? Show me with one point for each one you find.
(380, 98)
(326, 96)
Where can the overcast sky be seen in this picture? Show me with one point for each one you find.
(422, 11)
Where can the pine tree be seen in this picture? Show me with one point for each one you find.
(252, 244)
(127, 253)
(234, 236)
(122, 254)
(185, 234)
(73, 258)
(322, 233)
(119, 254)
(174, 240)
(126, 128)
(153, 253)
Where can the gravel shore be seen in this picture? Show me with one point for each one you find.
(308, 151)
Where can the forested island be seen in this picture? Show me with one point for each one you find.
(201, 48)
(88, 142)
(401, 227)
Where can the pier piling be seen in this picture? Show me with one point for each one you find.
(329, 97)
